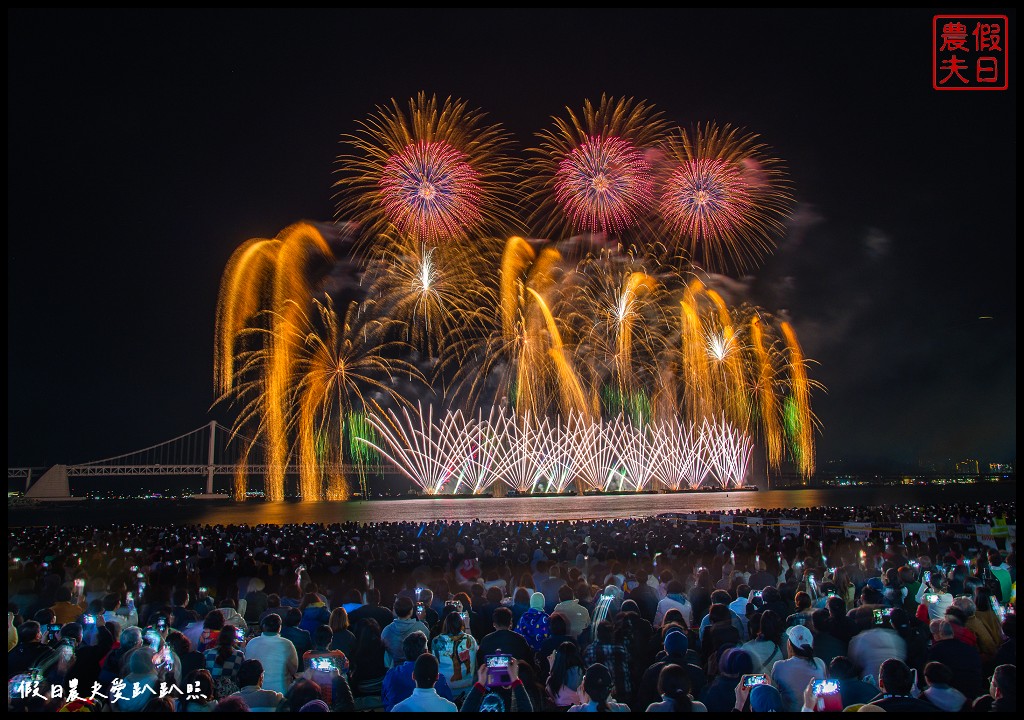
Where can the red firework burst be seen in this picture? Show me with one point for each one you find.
(604, 184)
(430, 192)
(707, 199)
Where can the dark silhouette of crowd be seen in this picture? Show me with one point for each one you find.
(663, 614)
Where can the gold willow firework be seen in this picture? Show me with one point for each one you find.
(605, 337)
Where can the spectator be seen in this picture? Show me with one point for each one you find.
(30, 651)
(190, 659)
(792, 675)
(314, 612)
(674, 688)
(257, 602)
(983, 622)
(424, 697)
(826, 645)
(870, 648)
(915, 635)
(181, 616)
(250, 677)
(768, 647)
(325, 678)
(645, 597)
(231, 704)
(896, 682)
(720, 634)
(852, 689)
(371, 610)
(211, 631)
(399, 684)
(142, 671)
(559, 634)
(202, 697)
(341, 638)
(534, 625)
(273, 606)
(597, 692)
(720, 694)
(676, 645)
(504, 639)
(566, 676)
(569, 607)
(276, 655)
(514, 698)
(456, 652)
(961, 658)
(302, 692)
(939, 691)
(802, 616)
(292, 631)
(613, 657)
(1007, 652)
(367, 664)
(1002, 692)
(674, 598)
(403, 624)
(224, 662)
(932, 598)
(64, 610)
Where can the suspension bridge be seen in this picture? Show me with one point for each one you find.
(207, 451)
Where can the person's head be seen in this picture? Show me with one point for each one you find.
(270, 624)
(842, 668)
(301, 692)
(742, 590)
(772, 626)
(956, 616)
(415, 644)
(565, 593)
(558, 624)
(801, 642)
(274, 600)
(111, 602)
(215, 621)
(463, 598)
(502, 618)
(936, 673)
(250, 673)
(227, 639)
(426, 597)
(231, 704)
(131, 637)
(521, 596)
(674, 616)
(338, 620)
(836, 606)
(180, 597)
(159, 704)
(674, 684)
(676, 644)
(1004, 682)
(202, 682)
(140, 662)
(674, 587)
(895, 677)
(29, 632)
(1010, 627)
(720, 597)
(907, 575)
(179, 643)
(735, 662)
(537, 601)
(605, 632)
(373, 597)
(719, 614)
(597, 684)
(425, 671)
(292, 617)
(871, 596)
(63, 594)
(803, 601)
(453, 624)
(965, 605)
(322, 637)
(995, 557)
(765, 698)
(72, 631)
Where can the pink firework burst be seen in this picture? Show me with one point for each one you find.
(430, 192)
(707, 199)
(604, 184)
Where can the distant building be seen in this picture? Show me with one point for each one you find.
(967, 467)
(1000, 467)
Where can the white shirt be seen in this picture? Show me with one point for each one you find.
(425, 700)
(278, 657)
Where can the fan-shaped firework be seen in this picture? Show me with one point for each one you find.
(435, 172)
(591, 171)
(611, 360)
(723, 200)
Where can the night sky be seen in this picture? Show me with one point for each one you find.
(144, 147)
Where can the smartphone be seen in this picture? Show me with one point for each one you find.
(932, 598)
(882, 615)
(465, 620)
(419, 591)
(88, 619)
(420, 607)
(323, 664)
(998, 609)
(927, 576)
(752, 680)
(826, 687)
(240, 634)
(497, 670)
(161, 623)
(758, 593)
(203, 591)
(151, 638)
(53, 629)
(129, 597)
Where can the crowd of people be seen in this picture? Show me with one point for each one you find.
(657, 614)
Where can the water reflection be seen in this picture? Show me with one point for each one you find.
(465, 509)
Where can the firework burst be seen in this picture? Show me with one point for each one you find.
(723, 200)
(434, 172)
(591, 172)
